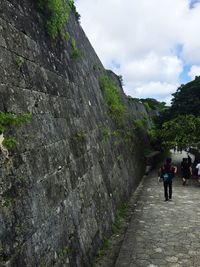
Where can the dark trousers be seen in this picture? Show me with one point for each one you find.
(168, 185)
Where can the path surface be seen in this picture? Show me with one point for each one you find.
(164, 233)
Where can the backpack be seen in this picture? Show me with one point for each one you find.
(167, 172)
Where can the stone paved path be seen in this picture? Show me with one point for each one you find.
(164, 233)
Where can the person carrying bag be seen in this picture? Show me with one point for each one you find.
(166, 174)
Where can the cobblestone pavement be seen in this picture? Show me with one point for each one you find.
(164, 233)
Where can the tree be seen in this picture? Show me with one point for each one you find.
(187, 99)
(183, 131)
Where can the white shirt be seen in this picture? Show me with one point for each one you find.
(198, 167)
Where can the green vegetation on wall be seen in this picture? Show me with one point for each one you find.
(105, 132)
(73, 9)
(126, 128)
(146, 105)
(58, 13)
(8, 120)
(19, 61)
(113, 100)
(76, 54)
(122, 213)
(140, 124)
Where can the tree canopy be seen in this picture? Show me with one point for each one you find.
(183, 131)
(180, 123)
(186, 100)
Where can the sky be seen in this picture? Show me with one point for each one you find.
(153, 44)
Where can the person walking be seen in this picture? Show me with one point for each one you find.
(186, 171)
(189, 160)
(198, 170)
(166, 174)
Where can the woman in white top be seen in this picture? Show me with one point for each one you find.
(198, 168)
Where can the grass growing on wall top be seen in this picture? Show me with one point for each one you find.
(58, 13)
(113, 100)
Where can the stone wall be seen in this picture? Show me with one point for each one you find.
(61, 186)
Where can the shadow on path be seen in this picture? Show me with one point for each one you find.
(164, 233)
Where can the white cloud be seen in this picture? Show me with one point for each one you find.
(167, 100)
(156, 88)
(159, 90)
(150, 39)
(152, 67)
(194, 71)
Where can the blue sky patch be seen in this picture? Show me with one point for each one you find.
(115, 64)
(193, 3)
(178, 50)
(184, 78)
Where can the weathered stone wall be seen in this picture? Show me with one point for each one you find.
(60, 188)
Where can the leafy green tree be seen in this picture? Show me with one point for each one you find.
(187, 99)
(182, 131)
(180, 123)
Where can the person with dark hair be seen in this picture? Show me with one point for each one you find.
(186, 171)
(189, 160)
(166, 174)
